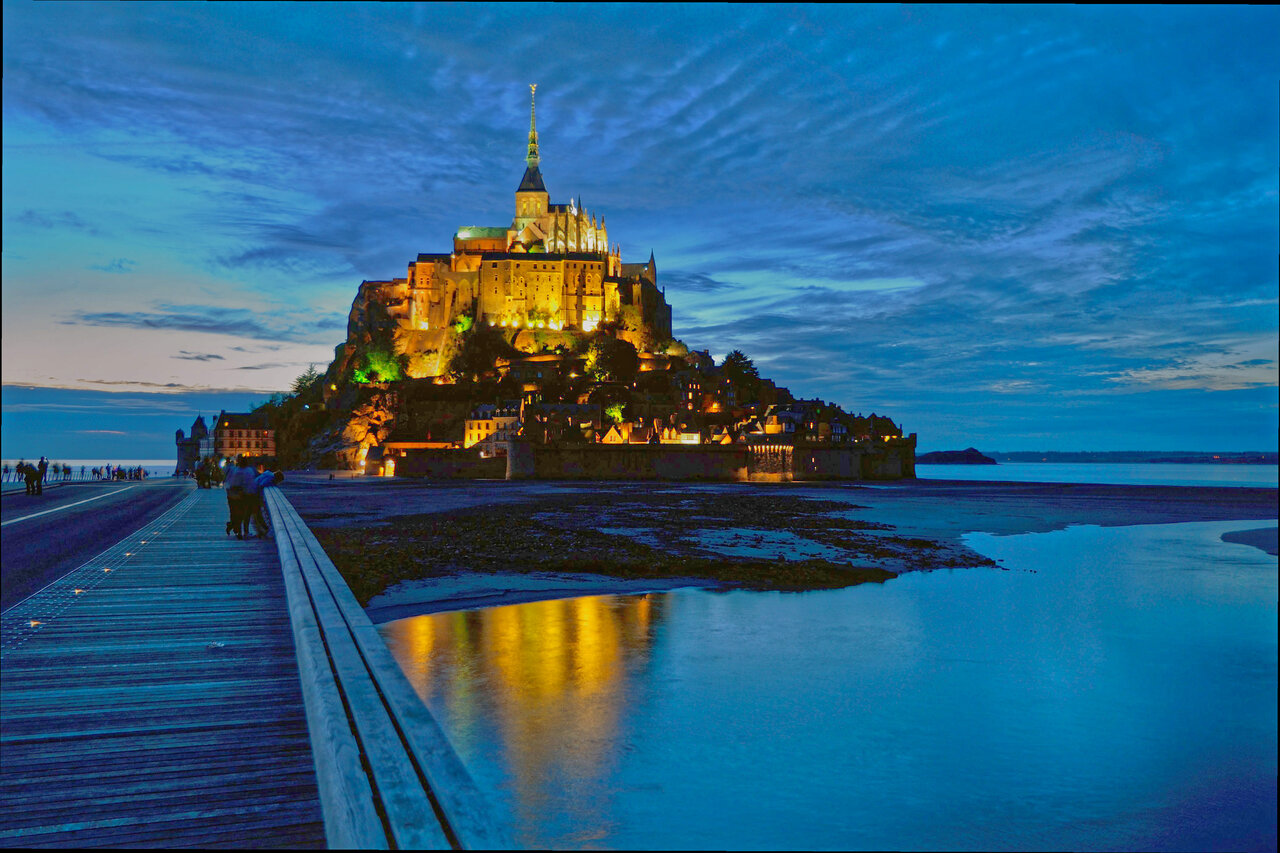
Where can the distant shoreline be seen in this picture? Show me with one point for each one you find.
(1141, 456)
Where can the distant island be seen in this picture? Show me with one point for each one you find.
(968, 456)
(1131, 456)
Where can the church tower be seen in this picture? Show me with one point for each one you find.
(532, 198)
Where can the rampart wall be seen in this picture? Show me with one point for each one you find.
(891, 460)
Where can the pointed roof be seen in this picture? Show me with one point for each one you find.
(532, 181)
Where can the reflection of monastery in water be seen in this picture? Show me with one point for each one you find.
(551, 268)
(526, 661)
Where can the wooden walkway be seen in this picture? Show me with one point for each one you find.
(151, 698)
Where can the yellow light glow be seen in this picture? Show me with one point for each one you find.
(34, 622)
(106, 570)
(78, 591)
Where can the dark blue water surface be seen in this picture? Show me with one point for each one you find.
(1112, 688)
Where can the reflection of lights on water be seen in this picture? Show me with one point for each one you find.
(518, 661)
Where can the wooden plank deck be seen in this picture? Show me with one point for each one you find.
(160, 705)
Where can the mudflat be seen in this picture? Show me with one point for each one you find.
(451, 544)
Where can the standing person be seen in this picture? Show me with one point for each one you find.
(238, 483)
(42, 469)
(32, 477)
(253, 501)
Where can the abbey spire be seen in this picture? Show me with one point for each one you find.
(531, 195)
(532, 158)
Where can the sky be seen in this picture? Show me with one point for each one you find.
(1005, 227)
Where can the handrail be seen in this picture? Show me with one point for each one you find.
(387, 775)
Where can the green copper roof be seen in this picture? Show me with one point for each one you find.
(473, 232)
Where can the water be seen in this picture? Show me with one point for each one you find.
(154, 467)
(1115, 688)
(1132, 474)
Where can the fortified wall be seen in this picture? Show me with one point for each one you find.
(889, 460)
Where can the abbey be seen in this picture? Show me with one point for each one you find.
(551, 268)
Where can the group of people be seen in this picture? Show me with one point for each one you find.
(244, 486)
(45, 471)
(119, 472)
(33, 475)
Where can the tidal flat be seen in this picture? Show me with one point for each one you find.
(551, 539)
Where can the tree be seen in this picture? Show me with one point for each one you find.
(303, 383)
(742, 374)
(611, 360)
(476, 352)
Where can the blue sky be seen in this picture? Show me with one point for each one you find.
(1014, 228)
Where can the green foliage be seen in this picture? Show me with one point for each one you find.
(423, 365)
(385, 364)
(476, 351)
(464, 324)
(360, 376)
(307, 380)
(611, 360)
(614, 412)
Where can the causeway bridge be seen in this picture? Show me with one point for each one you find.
(186, 689)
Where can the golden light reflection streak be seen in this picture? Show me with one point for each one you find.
(557, 668)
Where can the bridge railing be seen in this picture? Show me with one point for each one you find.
(388, 777)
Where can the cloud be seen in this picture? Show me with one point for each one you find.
(101, 432)
(198, 356)
(878, 203)
(267, 366)
(119, 265)
(693, 282)
(212, 319)
(59, 220)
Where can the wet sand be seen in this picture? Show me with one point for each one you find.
(413, 546)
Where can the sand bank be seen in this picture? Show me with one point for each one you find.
(411, 546)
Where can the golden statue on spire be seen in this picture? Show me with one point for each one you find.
(532, 157)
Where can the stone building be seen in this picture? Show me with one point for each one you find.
(236, 433)
(552, 268)
(191, 450)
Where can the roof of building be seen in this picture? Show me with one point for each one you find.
(481, 232)
(242, 420)
(532, 181)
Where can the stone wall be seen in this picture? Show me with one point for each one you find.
(893, 460)
(450, 465)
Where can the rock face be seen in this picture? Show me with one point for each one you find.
(968, 456)
(343, 443)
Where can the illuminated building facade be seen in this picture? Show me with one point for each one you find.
(551, 268)
(237, 433)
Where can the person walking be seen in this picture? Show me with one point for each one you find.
(255, 500)
(238, 483)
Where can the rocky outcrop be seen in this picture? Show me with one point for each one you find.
(345, 441)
